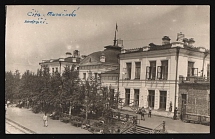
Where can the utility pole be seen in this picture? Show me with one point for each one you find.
(176, 79)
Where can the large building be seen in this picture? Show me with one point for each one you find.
(149, 75)
(100, 62)
(58, 65)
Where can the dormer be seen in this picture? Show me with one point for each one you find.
(102, 57)
(123, 51)
(73, 59)
(146, 48)
(178, 44)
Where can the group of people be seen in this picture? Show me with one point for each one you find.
(142, 112)
(24, 103)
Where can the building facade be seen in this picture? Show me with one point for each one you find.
(58, 65)
(149, 75)
(194, 96)
(98, 63)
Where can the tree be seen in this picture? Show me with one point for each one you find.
(12, 84)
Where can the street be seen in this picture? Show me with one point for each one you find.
(34, 122)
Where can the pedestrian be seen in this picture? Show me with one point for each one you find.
(27, 103)
(175, 113)
(45, 120)
(5, 108)
(134, 120)
(150, 112)
(8, 102)
(142, 113)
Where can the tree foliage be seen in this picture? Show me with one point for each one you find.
(56, 91)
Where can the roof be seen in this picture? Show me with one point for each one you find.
(153, 47)
(111, 55)
(68, 59)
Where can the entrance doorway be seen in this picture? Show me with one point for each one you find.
(163, 100)
(183, 107)
(151, 98)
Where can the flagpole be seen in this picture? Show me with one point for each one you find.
(115, 39)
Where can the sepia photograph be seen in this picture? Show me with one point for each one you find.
(107, 69)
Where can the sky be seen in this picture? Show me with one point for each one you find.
(91, 27)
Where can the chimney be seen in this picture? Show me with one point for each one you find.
(102, 57)
(76, 53)
(185, 40)
(180, 37)
(68, 54)
(165, 40)
(191, 42)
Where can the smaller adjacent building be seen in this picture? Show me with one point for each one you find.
(58, 65)
(101, 62)
(194, 96)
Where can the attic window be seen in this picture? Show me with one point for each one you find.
(102, 58)
(90, 60)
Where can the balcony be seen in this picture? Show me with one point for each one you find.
(194, 79)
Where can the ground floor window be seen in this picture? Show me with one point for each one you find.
(127, 97)
(136, 97)
(151, 98)
(163, 100)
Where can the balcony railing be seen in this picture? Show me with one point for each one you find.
(193, 79)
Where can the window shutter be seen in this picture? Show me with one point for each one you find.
(159, 71)
(147, 72)
(195, 71)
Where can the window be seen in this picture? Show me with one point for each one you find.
(52, 70)
(151, 98)
(190, 68)
(136, 97)
(137, 70)
(162, 71)
(163, 100)
(151, 71)
(194, 71)
(114, 78)
(84, 76)
(128, 66)
(127, 97)
(184, 98)
(56, 69)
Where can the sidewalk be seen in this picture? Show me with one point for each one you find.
(34, 122)
(173, 126)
